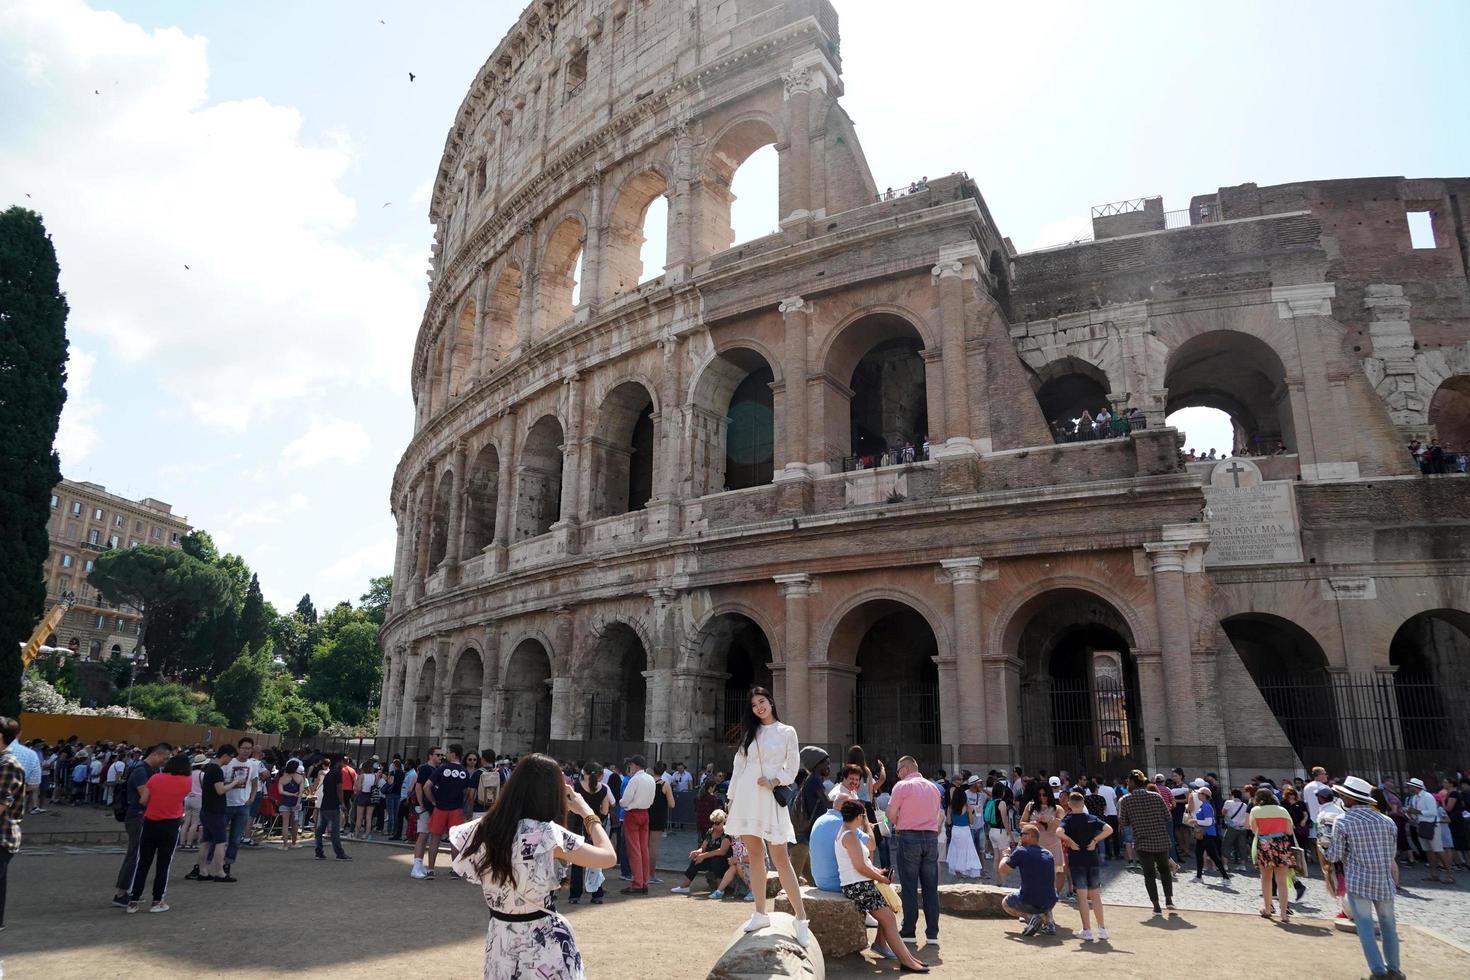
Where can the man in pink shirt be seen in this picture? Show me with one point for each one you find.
(916, 810)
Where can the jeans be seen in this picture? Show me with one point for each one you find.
(330, 820)
(1362, 911)
(635, 830)
(918, 870)
(390, 815)
(1173, 842)
(1156, 864)
(1113, 844)
(1237, 846)
(134, 827)
(237, 818)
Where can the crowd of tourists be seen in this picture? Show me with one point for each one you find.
(524, 829)
(1105, 424)
(1434, 459)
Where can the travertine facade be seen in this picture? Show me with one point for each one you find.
(615, 516)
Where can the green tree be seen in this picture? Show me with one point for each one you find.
(346, 671)
(32, 391)
(283, 708)
(374, 602)
(175, 591)
(306, 610)
(253, 624)
(199, 544)
(165, 702)
(238, 689)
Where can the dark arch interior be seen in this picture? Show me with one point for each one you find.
(640, 461)
(1432, 654)
(750, 433)
(538, 498)
(481, 501)
(1290, 670)
(526, 725)
(1449, 413)
(897, 694)
(1064, 397)
(747, 654)
(622, 455)
(617, 692)
(889, 406)
(1239, 375)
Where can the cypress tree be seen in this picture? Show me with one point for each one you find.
(32, 391)
(254, 627)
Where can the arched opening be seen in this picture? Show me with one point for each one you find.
(880, 357)
(1431, 652)
(526, 720)
(465, 691)
(501, 317)
(461, 360)
(895, 697)
(616, 692)
(1449, 414)
(94, 650)
(116, 651)
(1209, 430)
(734, 422)
(560, 276)
(635, 236)
(482, 498)
(760, 212)
(423, 700)
(1071, 393)
(1241, 376)
(1080, 706)
(733, 645)
(622, 452)
(1290, 670)
(439, 520)
(538, 478)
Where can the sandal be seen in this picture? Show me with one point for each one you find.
(1267, 913)
(905, 968)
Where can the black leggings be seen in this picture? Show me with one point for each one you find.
(1208, 845)
(1156, 864)
(155, 846)
(710, 866)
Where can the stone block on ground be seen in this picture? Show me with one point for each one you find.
(835, 922)
(773, 884)
(768, 953)
(979, 901)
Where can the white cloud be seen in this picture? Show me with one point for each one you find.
(347, 577)
(77, 435)
(149, 176)
(333, 441)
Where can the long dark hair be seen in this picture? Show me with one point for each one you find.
(750, 724)
(536, 790)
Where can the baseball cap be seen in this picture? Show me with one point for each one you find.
(1055, 781)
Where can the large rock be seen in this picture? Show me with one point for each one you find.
(980, 901)
(770, 952)
(834, 921)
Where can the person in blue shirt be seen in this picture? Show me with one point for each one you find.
(1037, 896)
(823, 851)
(1081, 834)
(1209, 844)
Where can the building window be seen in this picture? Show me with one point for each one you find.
(576, 73)
(175, 537)
(94, 536)
(112, 541)
(101, 621)
(1421, 229)
(116, 650)
(66, 561)
(138, 527)
(97, 514)
(119, 522)
(155, 534)
(134, 543)
(90, 564)
(76, 507)
(55, 501)
(63, 583)
(121, 623)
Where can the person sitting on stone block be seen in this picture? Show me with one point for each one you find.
(712, 857)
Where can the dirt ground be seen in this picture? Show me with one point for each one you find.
(331, 919)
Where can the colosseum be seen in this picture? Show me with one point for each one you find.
(843, 460)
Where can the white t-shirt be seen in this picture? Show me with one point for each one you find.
(1111, 796)
(1427, 805)
(115, 771)
(1309, 791)
(240, 795)
(94, 774)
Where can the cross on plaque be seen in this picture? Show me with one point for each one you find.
(1235, 469)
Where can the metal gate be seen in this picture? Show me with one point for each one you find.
(900, 715)
(1068, 725)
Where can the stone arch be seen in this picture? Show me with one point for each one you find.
(526, 716)
(733, 420)
(1289, 667)
(1449, 413)
(734, 644)
(423, 699)
(466, 685)
(482, 500)
(462, 369)
(731, 146)
(1430, 652)
(612, 685)
(439, 519)
(1005, 624)
(622, 450)
(622, 263)
(502, 315)
(876, 371)
(1239, 374)
(557, 274)
(539, 477)
(1065, 388)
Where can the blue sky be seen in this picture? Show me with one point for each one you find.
(264, 390)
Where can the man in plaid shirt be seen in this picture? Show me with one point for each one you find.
(1146, 812)
(12, 802)
(1364, 841)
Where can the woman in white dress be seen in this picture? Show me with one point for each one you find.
(518, 854)
(963, 860)
(768, 755)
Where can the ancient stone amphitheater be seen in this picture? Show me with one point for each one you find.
(840, 459)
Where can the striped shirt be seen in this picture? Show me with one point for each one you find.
(1365, 841)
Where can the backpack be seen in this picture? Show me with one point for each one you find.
(801, 817)
(989, 814)
(488, 787)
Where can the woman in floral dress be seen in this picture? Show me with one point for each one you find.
(518, 853)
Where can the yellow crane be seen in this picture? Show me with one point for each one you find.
(52, 620)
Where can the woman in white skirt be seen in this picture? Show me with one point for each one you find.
(963, 859)
(767, 756)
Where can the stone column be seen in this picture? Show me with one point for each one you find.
(421, 539)
(504, 515)
(592, 256)
(1171, 609)
(413, 661)
(1324, 435)
(949, 711)
(490, 689)
(797, 313)
(1153, 692)
(958, 268)
(565, 712)
(452, 548)
(439, 702)
(964, 577)
(391, 706)
(477, 356)
(796, 589)
(659, 724)
(571, 467)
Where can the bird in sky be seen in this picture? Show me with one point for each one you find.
(411, 76)
(186, 266)
(387, 205)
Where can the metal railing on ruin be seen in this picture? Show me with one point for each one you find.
(1121, 207)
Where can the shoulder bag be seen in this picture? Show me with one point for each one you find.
(781, 791)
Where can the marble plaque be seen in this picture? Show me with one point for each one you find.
(1252, 522)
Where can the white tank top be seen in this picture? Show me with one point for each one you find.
(847, 874)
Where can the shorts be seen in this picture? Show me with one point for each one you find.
(363, 799)
(1434, 843)
(213, 825)
(999, 839)
(193, 805)
(443, 820)
(423, 821)
(1085, 877)
(864, 894)
(288, 807)
(1014, 903)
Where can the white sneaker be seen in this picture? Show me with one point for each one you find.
(803, 933)
(870, 922)
(1102, 934)
(678, 890)
(1085, 935)
(757, 921)
(417, 872)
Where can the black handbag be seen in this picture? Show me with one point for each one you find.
(782, 792)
